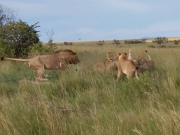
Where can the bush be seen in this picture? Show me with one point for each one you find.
(162, 46)
(176, 42)
(17, 38)
(4, 49)
(151, 46)
(116, 42)
(51, 46)
(39, 49)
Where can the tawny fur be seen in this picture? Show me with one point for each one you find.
(145, 64)
(108, 64)
(126, 66)
(142, 63)
(59, 60)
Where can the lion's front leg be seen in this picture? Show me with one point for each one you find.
(63, 66)
(118, 74)
(40, 73)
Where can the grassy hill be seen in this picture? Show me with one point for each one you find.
(148, 40)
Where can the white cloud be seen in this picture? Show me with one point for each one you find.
(165, 26)
(74, 19)
(119, 4)
(26, 7)
(32, 9)
(163, 29)
(85, 30)
(160, 29)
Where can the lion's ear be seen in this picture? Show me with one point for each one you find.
(141, 61)
(125, 53)
(119, 54)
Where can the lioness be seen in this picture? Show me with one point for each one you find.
(126, 66)
(59, 60)
(108, 64)
(150, 62)
(142, 63)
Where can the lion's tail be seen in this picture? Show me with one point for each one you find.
(148, 55)
(129, 55)
(14, 59)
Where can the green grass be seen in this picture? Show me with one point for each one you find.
(96, 103)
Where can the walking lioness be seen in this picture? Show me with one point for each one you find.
(126, 66)
(59, 60)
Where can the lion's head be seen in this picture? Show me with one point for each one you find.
(142, 63)
(69, 56)
(122, 55)
(73, 59)
(110, 56)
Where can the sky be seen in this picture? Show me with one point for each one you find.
(86, 20)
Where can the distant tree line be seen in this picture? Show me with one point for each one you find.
(160, 40)
(68, 43)
(135, 41)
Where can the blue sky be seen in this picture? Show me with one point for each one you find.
(72, 20)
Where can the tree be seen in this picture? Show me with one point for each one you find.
(144, 40)
(101, 42)
(176, 42)
(19, 37)
(161, 40)
(52, 46)
(6, 15)
(116, 42)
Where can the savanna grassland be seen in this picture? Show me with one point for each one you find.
(80, 101)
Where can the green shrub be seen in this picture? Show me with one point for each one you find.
(18, 38)
(39, 49)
